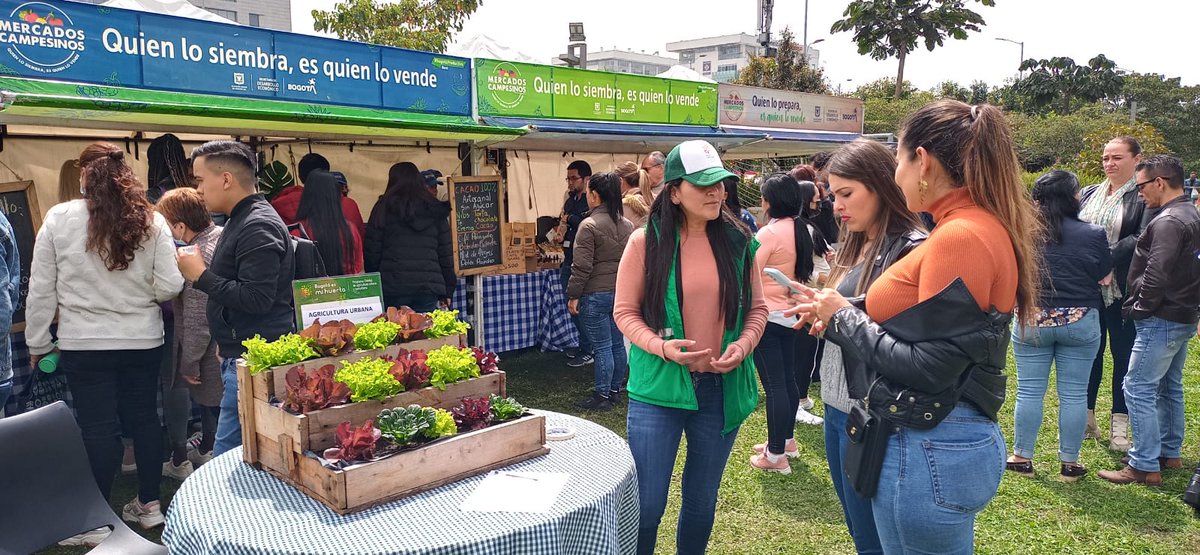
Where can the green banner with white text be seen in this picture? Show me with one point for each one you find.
(513, 89)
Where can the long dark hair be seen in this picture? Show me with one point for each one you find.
(608, 186)
(406, 195)
(790, 199)
(975, 145)
(872, 164)
(119, 215)
(666, 218)
(167, 161)
(321, 208)
(1055, 195)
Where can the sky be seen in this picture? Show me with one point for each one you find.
(1165, 43)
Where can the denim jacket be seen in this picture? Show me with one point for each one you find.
(10, 280)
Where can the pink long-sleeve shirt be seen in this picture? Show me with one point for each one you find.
(702, 319)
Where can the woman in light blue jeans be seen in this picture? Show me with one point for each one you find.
(1066, 330)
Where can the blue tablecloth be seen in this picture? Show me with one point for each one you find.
(521, 311)
(228, 507)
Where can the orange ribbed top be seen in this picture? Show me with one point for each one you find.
(968, 242)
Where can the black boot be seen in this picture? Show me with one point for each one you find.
(596, 402)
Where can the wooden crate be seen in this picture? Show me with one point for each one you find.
(407, 473)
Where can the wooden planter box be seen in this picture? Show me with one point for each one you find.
(410, 472)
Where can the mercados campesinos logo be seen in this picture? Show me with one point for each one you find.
(506, 86)
(733, 106)
(41, 37)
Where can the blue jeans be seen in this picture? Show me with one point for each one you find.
(229, 428)
(1071, 348)
(1154, 391)
(5, 391)
(935, 481)
(774, 359)
(857, 510)
(612, 365)
(564, 277)
(654, 434)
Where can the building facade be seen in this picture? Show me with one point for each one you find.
(628, 61)
(722, 58)
(268, 14)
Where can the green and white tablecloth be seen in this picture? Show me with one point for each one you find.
(228, 507)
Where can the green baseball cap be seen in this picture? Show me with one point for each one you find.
(696, 162)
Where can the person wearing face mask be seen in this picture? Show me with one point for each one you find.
(193, 351)
(690, 301)
(1115, 206)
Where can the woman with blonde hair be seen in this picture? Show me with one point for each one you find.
(932, 334)
(636, 195)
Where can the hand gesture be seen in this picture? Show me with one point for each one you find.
(732, 357)
(673, 351)
(818, 310)
(191, 264)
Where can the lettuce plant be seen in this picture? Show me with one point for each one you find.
(288, 349)
(368, 378)
(450, 364)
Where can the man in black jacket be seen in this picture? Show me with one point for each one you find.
(1163, 301)
(249, 284)
(575, 210)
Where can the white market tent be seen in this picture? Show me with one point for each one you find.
(684, 73)
(483, 46)
(177, 8)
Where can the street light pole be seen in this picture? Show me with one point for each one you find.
(1022, 60)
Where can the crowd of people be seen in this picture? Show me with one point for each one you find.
(896, 278)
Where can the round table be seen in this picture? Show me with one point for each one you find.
(229, 507)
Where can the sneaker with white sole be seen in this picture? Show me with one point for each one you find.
(581, 361)
(805, 417)
(807, 404)
(763, 462)
(180, 472)
(147, 515)
(197, 458)
(789, 449)
(91, 538)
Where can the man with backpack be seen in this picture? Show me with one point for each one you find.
(249, 283)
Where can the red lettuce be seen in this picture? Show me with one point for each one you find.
(313, 389)
(473, 414)
(332, 338)
(489, 363)
(354, 444)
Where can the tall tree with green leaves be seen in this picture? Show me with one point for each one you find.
(788, 70)
(416, 24)
(891, 28)
(1061, 83)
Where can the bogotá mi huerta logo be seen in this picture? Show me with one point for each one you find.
(41, 37)
(506, 85)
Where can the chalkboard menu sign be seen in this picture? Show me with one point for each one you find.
(477, 224)
(18, 201)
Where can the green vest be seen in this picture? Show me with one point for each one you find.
(656, 381)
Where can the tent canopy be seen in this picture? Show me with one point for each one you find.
(684, 73)
(483, 46)
(786, 142)
(600, 136)
(177, 8)
(35, 102)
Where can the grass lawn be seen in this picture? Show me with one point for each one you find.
(799, 513)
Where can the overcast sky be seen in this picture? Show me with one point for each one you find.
(1145, 36)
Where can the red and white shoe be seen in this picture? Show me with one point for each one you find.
(789, 449)
(763, 462)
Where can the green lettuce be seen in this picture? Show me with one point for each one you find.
(368, 378)
(505, 408)
(443, 425)
(289, 349)
(403, 425)
(445, 324)
(375, 335)
(451, 364)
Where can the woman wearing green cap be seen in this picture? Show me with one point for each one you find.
(690, 302)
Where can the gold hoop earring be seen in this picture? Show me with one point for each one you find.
(924, 188)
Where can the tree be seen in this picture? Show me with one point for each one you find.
(788, 70)
(979, 92)
(884, 88)
(1059, 82)
(951, 89)
(884, 115)
(1053, 140)
(887, 28)
(416, 24)
(1151, 140)
(1167, 105)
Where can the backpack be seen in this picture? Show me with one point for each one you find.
(309, 263)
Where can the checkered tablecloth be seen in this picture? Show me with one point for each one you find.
(521, 311)
(228, 507)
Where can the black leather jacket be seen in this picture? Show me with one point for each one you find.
(1134, 219)
(1165, 274)
(897, 245)
(928, 356)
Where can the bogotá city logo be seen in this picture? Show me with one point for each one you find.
(733, 106)
(506, 85)
(41, 37)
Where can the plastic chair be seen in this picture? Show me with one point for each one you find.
(47, 492)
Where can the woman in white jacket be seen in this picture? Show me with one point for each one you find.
(104, 263)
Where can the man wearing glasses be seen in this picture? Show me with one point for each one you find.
(653, 164)
(1163, 301)
(575, 209)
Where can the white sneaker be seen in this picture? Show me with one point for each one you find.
(805, 417)
(197, 458)
(148, 515)
(180, 472)
(806, 404)
(91, 538)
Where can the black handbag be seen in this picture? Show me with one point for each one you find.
(863, 460)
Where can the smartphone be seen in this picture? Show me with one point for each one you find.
(781, 279)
